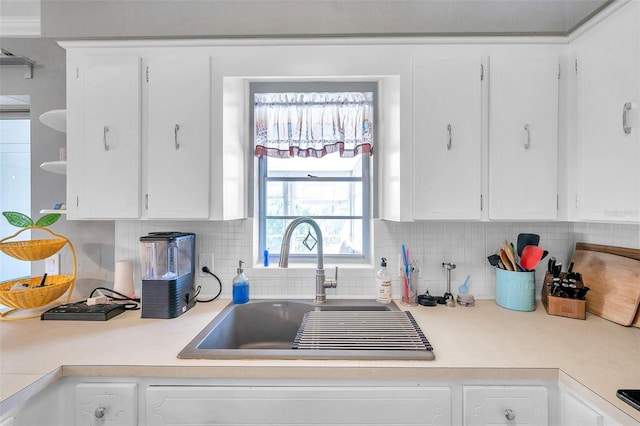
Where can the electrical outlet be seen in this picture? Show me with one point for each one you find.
(205, 259)
(52, 264)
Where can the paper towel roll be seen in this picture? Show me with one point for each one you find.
(123, 282)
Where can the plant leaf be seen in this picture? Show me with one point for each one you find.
(48, 219)
(18, 219)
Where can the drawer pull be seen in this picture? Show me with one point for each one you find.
(100, 412)
(625, 125)
(528, 142)
(105, 130)
(509, 414)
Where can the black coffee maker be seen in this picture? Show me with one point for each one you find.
(168, 274)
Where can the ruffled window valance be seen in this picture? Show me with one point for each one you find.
(313, 124)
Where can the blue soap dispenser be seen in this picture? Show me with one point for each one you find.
(240, 286)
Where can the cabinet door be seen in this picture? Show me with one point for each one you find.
(178, 148)
(104, 149)
(576, 412)
(447, 138)
(523, 138)
(505, 405)
(609, 159)
(297, 405)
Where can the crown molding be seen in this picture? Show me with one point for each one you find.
(19, 26)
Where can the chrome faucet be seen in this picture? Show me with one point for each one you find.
(321, 281)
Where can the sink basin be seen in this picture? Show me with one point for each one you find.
(263, 329)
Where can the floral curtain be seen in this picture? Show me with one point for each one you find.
(313, 124)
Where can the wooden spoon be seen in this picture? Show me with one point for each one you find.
(505, 260)
(507, 250)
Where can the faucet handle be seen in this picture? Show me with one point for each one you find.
(332, 283)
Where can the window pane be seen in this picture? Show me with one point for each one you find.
(329, 165)
(313, 198)
(340, 236)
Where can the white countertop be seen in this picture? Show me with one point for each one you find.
(594, 356)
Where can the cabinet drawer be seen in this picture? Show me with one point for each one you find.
(298, 405)
(505, 405)
(112, 404)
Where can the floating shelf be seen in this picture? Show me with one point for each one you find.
(59, 167)
(56, 119)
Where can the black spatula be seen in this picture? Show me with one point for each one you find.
(527, 240)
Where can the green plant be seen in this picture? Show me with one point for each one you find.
(21, 220)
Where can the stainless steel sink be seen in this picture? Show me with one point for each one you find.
(266, 329)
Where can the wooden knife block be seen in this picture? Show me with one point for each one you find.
(562, 306)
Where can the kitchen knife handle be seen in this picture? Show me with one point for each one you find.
(105, 130)
(449, 143)
(528, 142)
(175, 136)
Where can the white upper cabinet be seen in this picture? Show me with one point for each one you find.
(104, 137)
(608, 158)
(140, 143)
(523, 137)
(179, 137)
(447, 138)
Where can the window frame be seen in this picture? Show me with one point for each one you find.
(366, 179)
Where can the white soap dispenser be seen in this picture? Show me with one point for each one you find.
(383, 283)
(240, 286)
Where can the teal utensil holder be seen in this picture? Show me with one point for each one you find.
(516, 290)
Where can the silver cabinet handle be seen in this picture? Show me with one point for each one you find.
(449, 130)
(528, 142)
(104, 137)
(175, 136)
(509, 414)
(625, 125)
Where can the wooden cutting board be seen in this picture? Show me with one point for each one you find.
(613, 276)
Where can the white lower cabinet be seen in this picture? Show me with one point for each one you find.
(298, 405)
(505, 405)
(575, 412)
(149, 401)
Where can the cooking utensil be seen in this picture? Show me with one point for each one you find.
(494, 259)
(527, 240)
(464, 288)
(531, 256)
(505, 260)
(507, 249)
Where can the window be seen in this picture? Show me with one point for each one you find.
(326, 177)
(15, 174)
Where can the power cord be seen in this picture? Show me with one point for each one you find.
(206, 270)
(131, 302)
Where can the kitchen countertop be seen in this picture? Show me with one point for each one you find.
(594, 356)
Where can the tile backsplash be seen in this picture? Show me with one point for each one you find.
(466, 244)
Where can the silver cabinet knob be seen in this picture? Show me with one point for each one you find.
(100, 412)
(509, 414)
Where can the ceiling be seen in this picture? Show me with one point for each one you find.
(131, 18)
